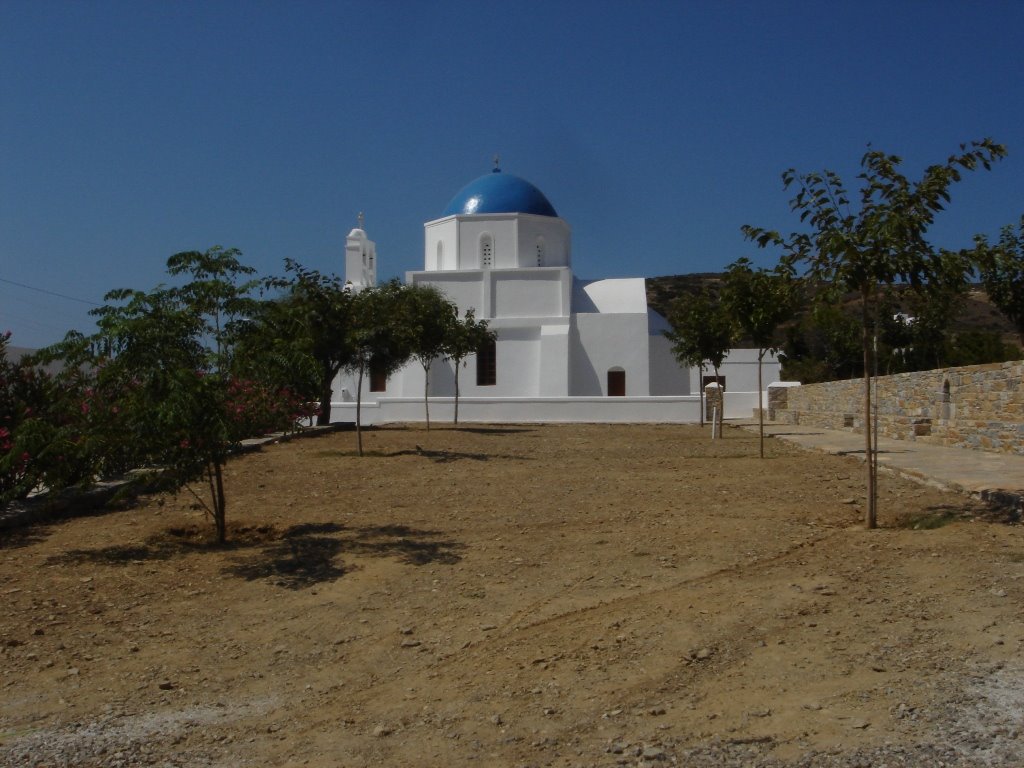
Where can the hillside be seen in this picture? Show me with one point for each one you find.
(978, 314)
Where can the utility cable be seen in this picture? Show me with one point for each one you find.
(50, 293)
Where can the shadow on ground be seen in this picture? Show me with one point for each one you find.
(299, 557)
(989, 511)
(306, 554)
(14, 538)
(171, 543)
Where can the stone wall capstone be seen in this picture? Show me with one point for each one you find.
(977, 406)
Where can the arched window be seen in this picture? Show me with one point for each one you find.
(486, 251)
(487, 365)
(540, 251)
(616, 382)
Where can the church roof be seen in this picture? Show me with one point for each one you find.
(498, 192)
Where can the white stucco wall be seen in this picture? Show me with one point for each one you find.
(514, 237)
(554, 360)
(740, 371)
(556, 236)
(667, 376)
(528, 293)
(603, 342)
(444, 232)
(466, 289)
(524, 410)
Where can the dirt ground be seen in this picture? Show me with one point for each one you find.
(519, 596)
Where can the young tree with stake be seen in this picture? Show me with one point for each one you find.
(877, 240)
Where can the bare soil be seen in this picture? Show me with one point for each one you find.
(519, 596)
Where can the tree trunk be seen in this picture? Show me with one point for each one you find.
(760, 402)
(426, 393)
(871, 511)
(359, 409)
(220, 505)
(700, 388)
(721, 402)
(457, 365)
(326, 393)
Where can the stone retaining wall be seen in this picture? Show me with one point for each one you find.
(978, 406)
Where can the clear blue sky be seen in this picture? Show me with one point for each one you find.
(133, 130)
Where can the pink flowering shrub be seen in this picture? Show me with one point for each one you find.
(41, 434)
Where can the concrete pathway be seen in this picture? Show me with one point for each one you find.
(996, 477)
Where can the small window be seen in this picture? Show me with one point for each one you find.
(486, 252)
(487, 365)
(616, 383)
(440, 256)
(540, 251)
(378, 380)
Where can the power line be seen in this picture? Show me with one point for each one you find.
(50, 293)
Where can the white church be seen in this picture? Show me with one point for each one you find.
(567, 349)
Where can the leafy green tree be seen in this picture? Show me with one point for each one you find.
(304, 335)
(163, 359)
(214, 294)
(921, 333)
(977, 347)
(760, 301)
(702, 333)
(272, 345)
(380, 338)
(876, 242)
(430, 320)
(1002, 273)
(465, 338)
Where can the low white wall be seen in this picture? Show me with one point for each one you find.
(519, 410)
(740, 405)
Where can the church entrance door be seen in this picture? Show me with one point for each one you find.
(616, 383)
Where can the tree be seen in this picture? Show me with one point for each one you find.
(214, 295)
(876, 242)
(921, 332)
(379, 337)
(760, 302)
(429, 319)
(466, 337)
(702, 332)
(306, 333)
(41, 419)
(1002, 273)
(162, 359)
(825, 343)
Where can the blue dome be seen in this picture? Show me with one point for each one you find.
(498, 192)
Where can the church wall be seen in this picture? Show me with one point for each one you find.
(529, 293)
(667, 376)
(555, 234)
(608, 341)
(444, 233)
(466, 289)
(502, 230)
(518, 365)
(554, 360)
